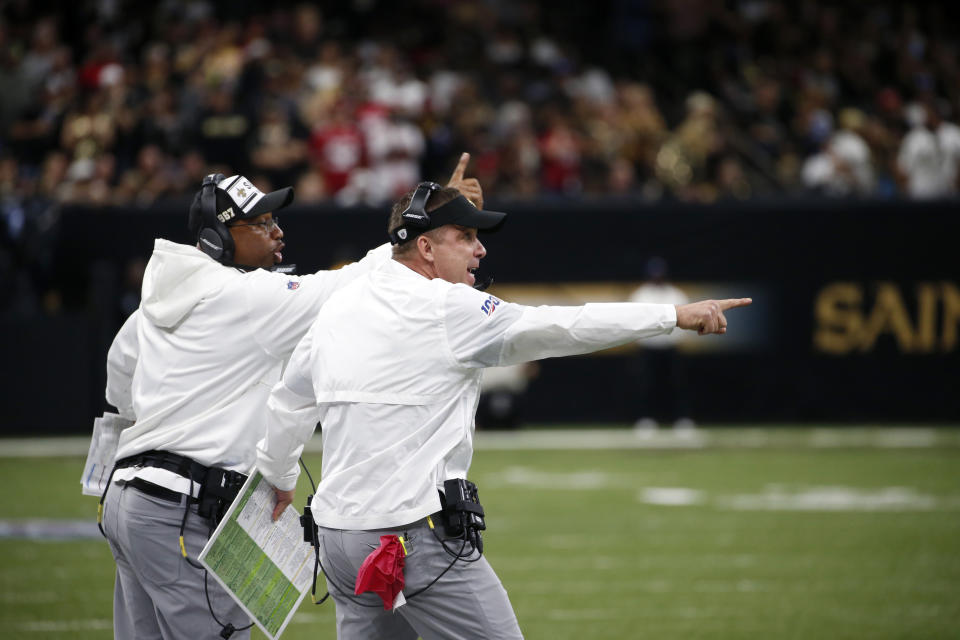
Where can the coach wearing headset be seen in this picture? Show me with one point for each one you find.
(193, 368)
(392, 368)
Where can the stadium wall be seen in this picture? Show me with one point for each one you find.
(856, 314)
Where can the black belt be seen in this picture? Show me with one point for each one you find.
(218, 487)
(181, 465)
(155, 490)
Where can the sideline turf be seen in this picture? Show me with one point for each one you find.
(583, 556)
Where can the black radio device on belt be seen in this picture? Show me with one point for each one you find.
(310, 530)
(462, 512)
(218, 492)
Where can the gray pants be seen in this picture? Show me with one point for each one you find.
(158, 594)
(467, 603)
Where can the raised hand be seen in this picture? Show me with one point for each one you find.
(707, 316)
(469, 187)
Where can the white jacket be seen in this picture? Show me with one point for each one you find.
(391, 367)
(194, 365)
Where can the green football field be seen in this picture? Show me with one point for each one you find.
(752, 533)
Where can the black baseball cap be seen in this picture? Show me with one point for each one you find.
(459, 211)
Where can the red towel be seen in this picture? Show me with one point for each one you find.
(382, 571)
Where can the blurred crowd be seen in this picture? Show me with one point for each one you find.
(116, 102)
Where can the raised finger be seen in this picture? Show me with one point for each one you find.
(460, 168)
(732, 303)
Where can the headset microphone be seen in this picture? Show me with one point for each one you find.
(486, 282)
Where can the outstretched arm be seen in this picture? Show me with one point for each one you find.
(483, 331)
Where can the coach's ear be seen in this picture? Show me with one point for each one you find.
(425, 248)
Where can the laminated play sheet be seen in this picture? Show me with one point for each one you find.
(266, 566)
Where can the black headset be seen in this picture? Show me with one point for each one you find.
(416, 220)
(213, 236)
(415, 216)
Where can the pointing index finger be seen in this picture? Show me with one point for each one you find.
(461, 167)
(732, 303)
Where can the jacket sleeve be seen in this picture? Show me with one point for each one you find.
(292, 416)
(121, 364)
(281, 307)
(484, 331)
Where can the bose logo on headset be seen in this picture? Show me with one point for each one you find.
(212, 245)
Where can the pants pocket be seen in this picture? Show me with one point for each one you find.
(148, 533)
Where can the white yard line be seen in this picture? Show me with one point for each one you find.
(62, 626)
(583, 614)
(49, 529)
(808, 498)
(606, 438)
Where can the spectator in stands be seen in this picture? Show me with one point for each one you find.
(279, 150)
(683, 160)
(224, 130)
(149, 180)
(844, 167)
(560, 153)
(929, 154)
(948, 143)
(642, 124)
(337, 145)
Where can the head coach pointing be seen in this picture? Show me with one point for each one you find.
(193, 367)
(392, 367)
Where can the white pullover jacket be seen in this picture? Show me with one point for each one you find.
(193, 366)
(391, 367)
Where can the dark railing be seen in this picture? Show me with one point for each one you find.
(856, 314)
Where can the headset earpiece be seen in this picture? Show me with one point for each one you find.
(213, 237)
(415, 216)
(211, 243)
